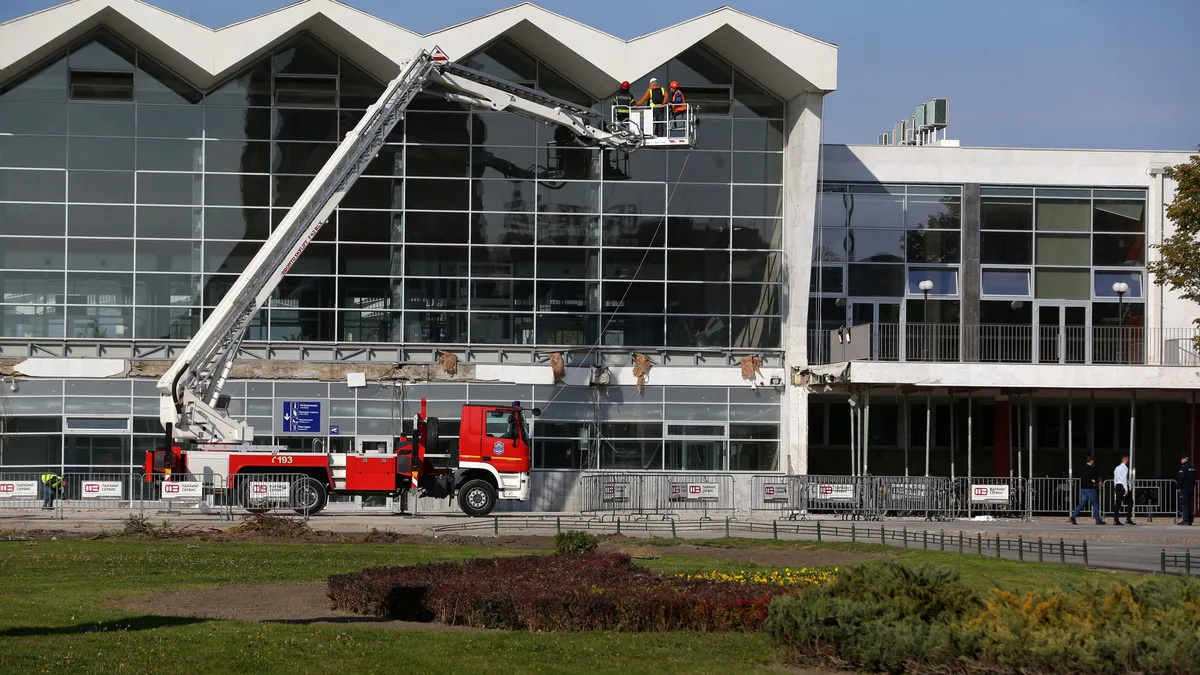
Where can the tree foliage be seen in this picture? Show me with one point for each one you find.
(1179, 268)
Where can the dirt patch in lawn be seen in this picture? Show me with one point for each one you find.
(278, 603)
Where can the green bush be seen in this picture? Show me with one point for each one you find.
(573, 541)
(885, 617)
(881, 616)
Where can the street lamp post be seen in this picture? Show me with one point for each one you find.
(926, 286)
(1121, 288)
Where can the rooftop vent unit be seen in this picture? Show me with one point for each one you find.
(922, 128)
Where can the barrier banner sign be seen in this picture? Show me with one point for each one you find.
(989, 494)
(101, 489)
(614, 492)
(910, 490)
(182, 490)
(833, 491)
(704, 492)
(261, 491)
(775, 492)
(18, 489)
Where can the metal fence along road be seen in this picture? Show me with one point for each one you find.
(657, 494)
(627, 494)
(210, 493)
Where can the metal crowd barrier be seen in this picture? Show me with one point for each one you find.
(610, 493)
(997, 497)
(837, 495)
(21, 490)
(780, 494)
(95, 491)
(1053, 496)
(656, 494)
(263, 492)
(930, 497)
(1151, 497)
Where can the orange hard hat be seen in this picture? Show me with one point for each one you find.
(624, 85)
(674, 84)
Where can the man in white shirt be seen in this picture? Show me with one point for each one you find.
(1122, 492)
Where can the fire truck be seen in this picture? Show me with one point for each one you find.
(492, 459)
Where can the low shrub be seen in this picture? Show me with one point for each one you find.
(574, 541)
(880, 616)
(553, 593)
(886, 617)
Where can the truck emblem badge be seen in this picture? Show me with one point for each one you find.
(498, 448)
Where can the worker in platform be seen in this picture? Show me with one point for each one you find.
(622, 102)
(656, 97)
(678, 111)
(51, 484)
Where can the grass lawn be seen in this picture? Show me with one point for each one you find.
(55, 616)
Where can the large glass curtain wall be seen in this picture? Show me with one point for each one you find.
(108, 425)
(129, 202)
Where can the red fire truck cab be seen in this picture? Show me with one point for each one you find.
(491, 462)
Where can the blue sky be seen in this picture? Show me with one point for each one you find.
(1018, 73)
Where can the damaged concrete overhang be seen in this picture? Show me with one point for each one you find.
(1002, 377)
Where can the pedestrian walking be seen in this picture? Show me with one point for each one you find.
(1122, 492)
(1187, 490)
(51, 484)
(1087, 493)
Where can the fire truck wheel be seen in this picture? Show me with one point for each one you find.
(477, 498)
(309, 496)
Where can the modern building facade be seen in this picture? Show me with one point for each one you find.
(144, 159)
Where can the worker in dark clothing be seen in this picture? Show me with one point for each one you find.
(678, 112)
(656, 96)
(1187, 490)
(51, 484)
(622, 102)
(1087, 492)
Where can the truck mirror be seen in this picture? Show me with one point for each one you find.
(537, 412)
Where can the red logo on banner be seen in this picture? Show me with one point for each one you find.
(170, 488)
(825, 489)
(260, 489)
(981, 492)
(7, 487)
(694, 489)
(91, 487)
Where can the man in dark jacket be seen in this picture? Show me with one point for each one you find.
(1087, 492)
(1187, 490)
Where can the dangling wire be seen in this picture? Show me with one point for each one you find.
(633, 278)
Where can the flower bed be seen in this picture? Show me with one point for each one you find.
(804, 576)
(554, 593)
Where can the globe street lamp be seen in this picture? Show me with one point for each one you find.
(1121, 288)
(926, 286)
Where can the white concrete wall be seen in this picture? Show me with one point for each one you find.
(801, 162)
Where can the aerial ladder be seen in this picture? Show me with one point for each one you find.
(192, 408)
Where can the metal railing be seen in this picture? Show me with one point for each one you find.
(997, 343)
(1151, 497)
(1180, 561)
(1018, 548)
(655, 493)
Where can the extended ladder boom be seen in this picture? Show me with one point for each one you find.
(190, 389)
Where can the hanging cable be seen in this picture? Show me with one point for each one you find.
(633, 278)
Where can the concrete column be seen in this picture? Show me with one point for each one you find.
(969, 273)
(801, 161)
(1001, 439)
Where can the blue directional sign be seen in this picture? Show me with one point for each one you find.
(334, 430)
(302, 417)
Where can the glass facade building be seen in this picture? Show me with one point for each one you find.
(130, 201)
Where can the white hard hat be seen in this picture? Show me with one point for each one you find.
(654, 80)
